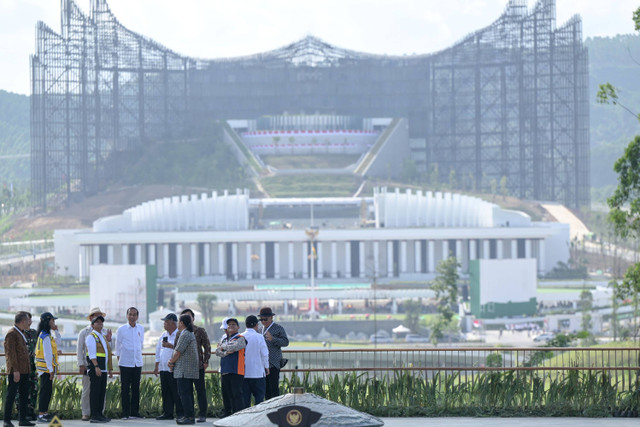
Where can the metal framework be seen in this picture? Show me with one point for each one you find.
(510, 100)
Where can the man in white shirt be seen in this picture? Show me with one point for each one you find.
(168, 384)
(256, 363)
(129, 342)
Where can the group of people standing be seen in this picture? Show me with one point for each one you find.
(30, 354)
(250, 365)
(251, 361)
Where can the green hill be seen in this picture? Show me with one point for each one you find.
(14, 139)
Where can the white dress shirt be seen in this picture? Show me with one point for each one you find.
(90, 342)
(163, 354)
(129, 340)
(256, 355)
(48, 350)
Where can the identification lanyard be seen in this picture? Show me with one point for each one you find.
(266, 330)
(23, 337)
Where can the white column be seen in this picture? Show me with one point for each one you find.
(276, 260)
(389, 258)
(363, 272)
(473, 249)
(305, 259)
(403, 256)
(138, 255)
(459, 252)
(151, 254)
(431, 266)
(445, 249)
(376, 258)
(165, 259)
(541, 255)
(95, 258)
(207, 259)
(125, 254)
(247, 257)
(110, 254)
(263, 260)
(499, 249)
(221, 266)
(347, 259)
(193, 257)
(290, 262)
(320, 272)
(514, 248)
(82, 259)
(179, 260)
(234, 260)
(485, 249)
(527, 248)
(417, 255)
(334, 260)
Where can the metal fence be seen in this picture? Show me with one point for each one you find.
(622, 364)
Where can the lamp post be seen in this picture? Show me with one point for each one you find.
(312, 232)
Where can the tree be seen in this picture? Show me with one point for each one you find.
(445, 286)
(586, 304)
(412, 309)
(206, 303)
(503, 187)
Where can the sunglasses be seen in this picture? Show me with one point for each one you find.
(264, 319)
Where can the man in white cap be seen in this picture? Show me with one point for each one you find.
(82, 362)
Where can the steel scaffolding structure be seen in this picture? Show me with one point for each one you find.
(510, 100)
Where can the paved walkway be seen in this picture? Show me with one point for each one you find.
(415, 422)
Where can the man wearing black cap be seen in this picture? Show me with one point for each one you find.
(276, 338)
(168, 384)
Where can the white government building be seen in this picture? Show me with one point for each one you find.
(391, 235)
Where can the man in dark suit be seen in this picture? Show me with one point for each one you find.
(18, 368)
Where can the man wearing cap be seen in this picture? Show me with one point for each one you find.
(231, 352)
(99, 363)
(129, 343)
(276, 338)
(82, 361)
(256, 363)
(18, 368)
(168, 384)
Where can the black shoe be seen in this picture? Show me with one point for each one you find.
(185, 420)
(7, 424)
(26, 423)
(106, 420)
(97, 420)
(202, 419)
(164, 417)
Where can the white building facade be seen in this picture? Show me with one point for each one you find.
(210, 237)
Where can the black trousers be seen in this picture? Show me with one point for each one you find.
(232, 396)
(273, 383)
(12, 390)
(170, 397)
(46, 389)
(130, 390)
(97, 392)
(185, 390)
(202, 394)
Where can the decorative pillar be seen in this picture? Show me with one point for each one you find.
(138, 254)
(459, 256)
(417, 255)
(82, 259)
(248, 260)
(363, 271)
(193, 258)
(541, 256)
(389, 258)
(376, 258)
(445, 249)
(334, 260)
(514, 248)
(95, 258)
(110, 254)
(179, 260)
(473, 249)
(527, 248)
(151, 254)
(347, 259)
(276, 260)
(207, 259)
(234, 260)
(305, 260)
(263, 260)
(290, 261)
(221, 266)
(499, 249)
(431, 265)
(485, 249)
(320, 272)
(403, 256)
(165, 259)
(125, 254)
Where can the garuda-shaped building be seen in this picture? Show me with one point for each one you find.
(509, 100)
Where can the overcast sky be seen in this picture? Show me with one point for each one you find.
(217, 28)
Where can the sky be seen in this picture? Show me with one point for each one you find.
(217, 28)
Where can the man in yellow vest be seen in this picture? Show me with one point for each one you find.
(99, 366)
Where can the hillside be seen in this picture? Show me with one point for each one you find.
(14, 139)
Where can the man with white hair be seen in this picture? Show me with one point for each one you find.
(82, 362)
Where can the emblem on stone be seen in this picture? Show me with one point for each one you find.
(294, 416)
